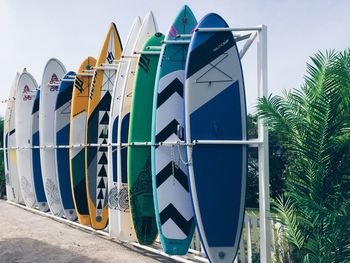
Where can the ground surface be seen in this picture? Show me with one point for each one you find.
(28, 237)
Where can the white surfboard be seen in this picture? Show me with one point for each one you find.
(13, 191)
(53, 73)
(126, 231)
(113, 126)
(25, 95)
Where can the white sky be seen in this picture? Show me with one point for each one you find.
(36, 30)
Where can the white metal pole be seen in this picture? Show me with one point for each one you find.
(263, 154)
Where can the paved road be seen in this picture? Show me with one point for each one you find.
(28, 237)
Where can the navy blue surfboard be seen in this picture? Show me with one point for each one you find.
(215, 110)
(62, 128)
(37, 176)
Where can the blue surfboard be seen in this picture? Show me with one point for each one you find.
(215, 109)
(62, 126)
(174, 213)
(37, 176)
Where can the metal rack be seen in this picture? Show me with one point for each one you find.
(250, 34)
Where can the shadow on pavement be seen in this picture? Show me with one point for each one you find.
(31, 250)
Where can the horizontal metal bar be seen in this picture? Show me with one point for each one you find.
(190, 35)
(97, 145)
(106, 68)
(109, 65)
(88, 71)
(9, 99)
(154, 47)
(176, 42)
(166, 143)
(130, 56)
(183, 35)
(226, 29)
(140, 144)
(85, 74)
(228, 142)
(147, 52)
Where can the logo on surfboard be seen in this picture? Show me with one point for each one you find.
(78, 84)
(110, 57)
(26, 93)
(54, 82)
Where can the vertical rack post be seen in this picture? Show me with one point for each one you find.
(263, 153)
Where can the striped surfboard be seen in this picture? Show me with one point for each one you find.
(173, 208)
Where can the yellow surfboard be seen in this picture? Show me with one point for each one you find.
(97, 128)
(80, 100)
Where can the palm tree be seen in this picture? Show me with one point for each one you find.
(313, 125)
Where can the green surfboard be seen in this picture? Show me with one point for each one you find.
(139, 157)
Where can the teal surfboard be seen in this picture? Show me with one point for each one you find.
(173, 209)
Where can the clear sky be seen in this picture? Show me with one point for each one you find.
(36, 30)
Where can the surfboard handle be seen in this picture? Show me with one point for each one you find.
(180, 132)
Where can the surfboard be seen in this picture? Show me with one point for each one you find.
(10, 195)
(113, 200)
(37, 176)
(139, 157)
(80, 99)
(126, 231)
(25, 94)
(173, 208)
(62, 127)
(53, 73)
(215, 109)
(13, 190)
(97, 128)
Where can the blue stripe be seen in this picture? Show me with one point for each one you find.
(114, 150)
(124, 152)
(219, 123)
(37, 175)
(36, 102)
(62, 138)
(6, 151)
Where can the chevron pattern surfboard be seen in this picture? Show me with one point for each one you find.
(97, 128)
(170, 183)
